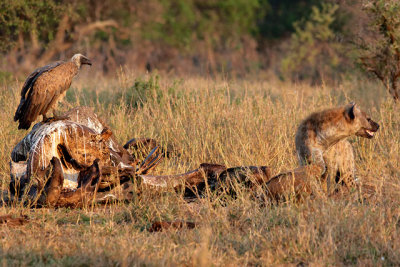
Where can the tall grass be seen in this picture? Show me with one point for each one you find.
(232, 122)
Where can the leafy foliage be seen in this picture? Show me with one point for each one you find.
(219, 22)
(314, 52)
(279, 21)
(380, 54)
(38, 19)
(182, 22)
(206, 36)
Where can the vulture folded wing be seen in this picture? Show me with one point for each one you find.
(35, 74)
(54, 83)
(24, 111)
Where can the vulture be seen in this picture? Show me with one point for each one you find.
(45, 87)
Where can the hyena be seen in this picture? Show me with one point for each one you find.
(321, 139)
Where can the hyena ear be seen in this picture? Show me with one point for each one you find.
(350, 111)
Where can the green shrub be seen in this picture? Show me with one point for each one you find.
(380, 53)
(313, 51)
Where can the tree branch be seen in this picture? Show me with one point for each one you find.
(84, 30)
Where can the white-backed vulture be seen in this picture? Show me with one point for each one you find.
(45, 87)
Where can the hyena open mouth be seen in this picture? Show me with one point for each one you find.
(369, 130)
(370, 134)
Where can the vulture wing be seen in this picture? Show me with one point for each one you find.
(32, 98)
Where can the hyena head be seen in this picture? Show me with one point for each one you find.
(359, 123)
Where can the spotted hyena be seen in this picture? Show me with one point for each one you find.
(321, 139)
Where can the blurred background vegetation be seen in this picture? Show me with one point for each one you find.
(313, 40)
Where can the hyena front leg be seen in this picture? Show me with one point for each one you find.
(341, 163)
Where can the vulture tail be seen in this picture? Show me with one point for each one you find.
(20, 116)
(24, 125)
(17, 115)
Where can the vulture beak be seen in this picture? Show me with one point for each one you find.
(85, 60)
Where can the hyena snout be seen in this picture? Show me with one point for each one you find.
(369, 129)
(374, 125)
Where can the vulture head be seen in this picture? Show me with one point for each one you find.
(80, 59)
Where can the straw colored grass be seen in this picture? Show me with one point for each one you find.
(232, 122)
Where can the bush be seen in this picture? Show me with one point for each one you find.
(380, 53)
(314, 53)
(218, 22)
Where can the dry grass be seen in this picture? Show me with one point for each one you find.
(235, 122)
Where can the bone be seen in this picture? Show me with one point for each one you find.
(213, 174)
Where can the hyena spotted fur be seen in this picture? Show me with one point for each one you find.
(321, 140)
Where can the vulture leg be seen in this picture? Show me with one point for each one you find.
(56, 118)
(64, 102)
(54, 112)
